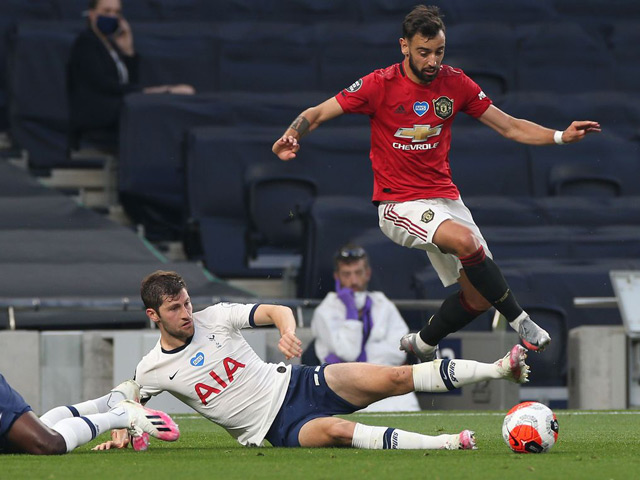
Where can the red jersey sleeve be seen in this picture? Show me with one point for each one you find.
(363, 96)
(477, 101)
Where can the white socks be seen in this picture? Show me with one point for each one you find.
(82, 422)
(77, 431)
(379, 438)
(444, 375)
(98, 405)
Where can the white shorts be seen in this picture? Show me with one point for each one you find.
(413, 224)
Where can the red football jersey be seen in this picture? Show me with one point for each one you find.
(411, 128)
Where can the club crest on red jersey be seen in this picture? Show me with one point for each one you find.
(443, 107)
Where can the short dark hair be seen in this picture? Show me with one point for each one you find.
(423, 19)
(93, 4)
(348, 254)
(160, 285)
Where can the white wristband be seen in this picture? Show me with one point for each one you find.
(557, 137)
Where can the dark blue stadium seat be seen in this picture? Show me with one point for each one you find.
(625, 47)
(605, 156)
(569, 210)
(217, 159)
(333, 221)
(137, 10)
(618, 112)
(523, 11)
(152, 133)
(563, 58)
(39, 111)
(310, 11)
(173, 53)
(563, 242)
(268, 57)
(395, 10)
(484, 163)
(349, 52)
(486, 52)
(596, 11)
(277, 204)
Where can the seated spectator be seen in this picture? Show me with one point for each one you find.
(356, 325)
(103, 67)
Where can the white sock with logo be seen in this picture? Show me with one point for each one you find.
(383, 438)
(77, 431)
(444, 375)
(97, 405)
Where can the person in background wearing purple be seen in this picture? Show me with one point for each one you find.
(356, 325)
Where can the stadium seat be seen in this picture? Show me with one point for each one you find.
(311, 11)
(257, 55)
(618, 112)
(486, 52)
(395, 10)
(607, 157)
(334, 220)
(277, 203)
(152, 134)
(595, 11)
(174, 53)
(524, 11)
(484, 163)
(624, 42)
(349, 52)
(583, 181)
(580, 61)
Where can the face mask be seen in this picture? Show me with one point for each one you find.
(107, 25)
(360, 298)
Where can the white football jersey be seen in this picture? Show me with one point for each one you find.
(219, 375)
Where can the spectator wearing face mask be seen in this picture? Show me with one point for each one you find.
(103, 68)
(354, 324)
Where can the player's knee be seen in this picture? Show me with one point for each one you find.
(467, 243)
(399, 378)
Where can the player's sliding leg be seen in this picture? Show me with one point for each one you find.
(382, 438)
(127, 390)
(444, 375)
(127, 414)
(337, 432)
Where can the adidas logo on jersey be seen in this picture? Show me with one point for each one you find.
(400, 109)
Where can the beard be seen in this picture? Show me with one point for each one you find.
(421, 74)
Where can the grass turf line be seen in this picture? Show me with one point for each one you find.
(595, 445)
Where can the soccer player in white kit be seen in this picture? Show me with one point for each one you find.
(202, 359)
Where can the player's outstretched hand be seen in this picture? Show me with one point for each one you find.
(290, 345)
(286, 147)
(578, 130)
(119, 439)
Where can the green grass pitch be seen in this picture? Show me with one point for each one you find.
(591, 445)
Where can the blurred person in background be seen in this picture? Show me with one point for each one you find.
(102, 69)
(357, 325)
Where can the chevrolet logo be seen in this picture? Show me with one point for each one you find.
(419, 133)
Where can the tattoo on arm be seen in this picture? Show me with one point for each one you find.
(300, 125)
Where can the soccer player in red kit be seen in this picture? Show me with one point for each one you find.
(411, 106)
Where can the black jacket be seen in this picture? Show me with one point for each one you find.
(95, 92)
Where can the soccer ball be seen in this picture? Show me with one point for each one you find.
(530, 427)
